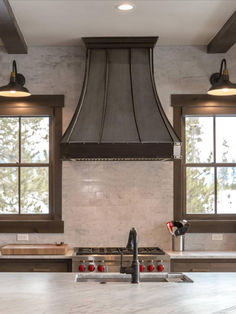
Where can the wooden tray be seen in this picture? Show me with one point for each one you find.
(34, 249)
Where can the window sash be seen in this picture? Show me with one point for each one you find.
(214, 164)
(200, 105)
(202, 112)
(39, 105)
(33, 165)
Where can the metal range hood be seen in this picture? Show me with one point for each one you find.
(119, 115)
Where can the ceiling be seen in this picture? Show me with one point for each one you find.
(176, 22)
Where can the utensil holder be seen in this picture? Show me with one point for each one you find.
(178, 243)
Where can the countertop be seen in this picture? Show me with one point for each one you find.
(171, 254)
(57, 293)
(202, 255)
(66, 256)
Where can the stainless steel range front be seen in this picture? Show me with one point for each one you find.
(151, 259)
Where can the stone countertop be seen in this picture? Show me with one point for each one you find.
(202, 254)
(58, 293)
(68, 255)
(171, 254)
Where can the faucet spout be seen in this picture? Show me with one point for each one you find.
(134, 268)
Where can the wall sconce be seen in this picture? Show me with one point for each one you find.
(15, 88)
(221, 85)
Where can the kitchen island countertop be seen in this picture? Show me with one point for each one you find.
(57, 293)
(202, 254)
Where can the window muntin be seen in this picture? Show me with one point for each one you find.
(24, 165)
(210, 165)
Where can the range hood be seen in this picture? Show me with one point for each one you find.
(119, 115)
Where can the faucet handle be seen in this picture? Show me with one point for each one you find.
(122, 269)
(121, 259)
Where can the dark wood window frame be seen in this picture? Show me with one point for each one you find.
(36, 105)
(198, 105)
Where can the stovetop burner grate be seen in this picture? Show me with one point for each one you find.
(117, 251)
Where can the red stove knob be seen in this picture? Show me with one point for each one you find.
(91, 267)
(141, 268)
(82, 268)
(101, 268)
(151, 267)
(160, 267)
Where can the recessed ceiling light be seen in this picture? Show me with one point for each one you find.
(125, 6)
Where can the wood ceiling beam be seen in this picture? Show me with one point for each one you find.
(225, 38)
(10, 32)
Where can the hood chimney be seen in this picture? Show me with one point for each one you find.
(119, 115)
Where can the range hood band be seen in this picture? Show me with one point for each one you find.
(119, 42)
(131, 151)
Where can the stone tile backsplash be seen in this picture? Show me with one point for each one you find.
(103, 200)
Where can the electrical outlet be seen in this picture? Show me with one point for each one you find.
(217, 236)
(22, 237)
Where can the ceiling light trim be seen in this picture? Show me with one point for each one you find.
(125, 7)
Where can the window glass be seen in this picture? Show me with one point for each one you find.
(9, 190)
(34, 190)
(9, 140)
(35, 140)
(225, 139)
(226, 190)
(199, 139)
(200, 190)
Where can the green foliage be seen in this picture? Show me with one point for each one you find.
(200, 194)
(8, 190)
(34, 189)
(233, 184)
(9, 140)
(223, 172)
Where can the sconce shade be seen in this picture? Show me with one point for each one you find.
(221, 85)
(15, 88)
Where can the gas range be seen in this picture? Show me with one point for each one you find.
(108, 259)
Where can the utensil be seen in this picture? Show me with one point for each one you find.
(177, 228)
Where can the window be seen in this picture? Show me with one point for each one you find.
(205, 178)
(24, 165)
(30, 168)
(210, 164)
